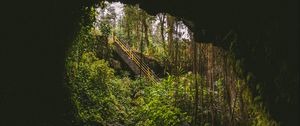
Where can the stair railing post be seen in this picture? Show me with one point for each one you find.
(131, 54)
(145, 69)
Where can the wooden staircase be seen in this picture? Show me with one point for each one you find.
(133, 60)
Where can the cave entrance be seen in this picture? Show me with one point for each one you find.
(131, 68)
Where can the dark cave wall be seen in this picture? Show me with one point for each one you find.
(35, 36)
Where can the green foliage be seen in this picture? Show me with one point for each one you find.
(102, 98)
(105, 29)
(258, 116)
(156, 106)
(92, 91)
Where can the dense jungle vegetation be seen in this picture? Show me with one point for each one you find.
(199, 84)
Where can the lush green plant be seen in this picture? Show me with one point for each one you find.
(156, 106)
(92, 92)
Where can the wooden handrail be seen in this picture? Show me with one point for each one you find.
(144, 68)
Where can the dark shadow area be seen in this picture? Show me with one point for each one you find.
(36, 34)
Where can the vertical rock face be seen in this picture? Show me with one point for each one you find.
(35, 36)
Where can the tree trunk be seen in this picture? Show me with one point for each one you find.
(170, 22)
(196, 81)
(144, 22)
(162, 29)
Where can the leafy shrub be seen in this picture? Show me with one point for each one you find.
(92, 95)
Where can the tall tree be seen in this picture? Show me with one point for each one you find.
(196, 82)
(162, 18)
(170, 24)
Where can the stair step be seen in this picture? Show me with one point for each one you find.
(133, 60)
